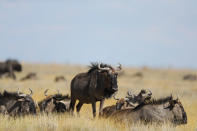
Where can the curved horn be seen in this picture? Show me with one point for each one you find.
(119, 67)
(45, 92)
(129, 93)
(116, 98)
(31, 92)
(20, 94)
(105, 68)
(150, 92)
(23, 95)
(126, 99)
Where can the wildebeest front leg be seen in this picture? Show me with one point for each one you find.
(79, 105)
(11, 72)
(94, 109)
(72, 105)
(101, 107)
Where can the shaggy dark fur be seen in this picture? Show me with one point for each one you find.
(94, 66)
(159, 111)
(92, 86)
(154, 102)
(17, 105)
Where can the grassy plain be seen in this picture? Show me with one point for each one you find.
(161, 82)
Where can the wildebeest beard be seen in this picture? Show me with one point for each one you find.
(108, 93)
(18, 67)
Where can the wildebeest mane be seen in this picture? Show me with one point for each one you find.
(108, 93)
(154, 102)
(159, 101)
(94, 66)
(7, 94)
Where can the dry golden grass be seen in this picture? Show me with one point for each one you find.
(161, 82)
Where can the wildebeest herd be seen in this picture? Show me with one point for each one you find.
(97, 84)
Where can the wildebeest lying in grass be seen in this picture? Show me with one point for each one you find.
(159, 111)
(130, 101)
(59, 78)
(189, 77)
(9, 66)
(98, 83)
(54, 103)
(16, 103)
(30, 76)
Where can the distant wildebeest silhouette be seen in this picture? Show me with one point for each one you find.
(98, 83)
(59, 78)
(138, 74)
(9, 66)
(130, 101)
(159, 111)
(54, 103)
(17, 103)
(189, 77)
(29, 76)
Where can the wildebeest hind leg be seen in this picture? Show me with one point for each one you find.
(79, 105)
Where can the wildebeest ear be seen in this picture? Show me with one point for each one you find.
(93, 79)
(177, 100)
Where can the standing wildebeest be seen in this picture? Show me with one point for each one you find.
(9, 66)
(160, 111)
(131, 101)
(18, 103)
(54, 103)
(98, 83)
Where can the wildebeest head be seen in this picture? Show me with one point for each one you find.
(27, 103)
(54, 103)
(18, 103)
(180, 116)
(132, 99)
(103, 75)
(15, 64)
(144, 95)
